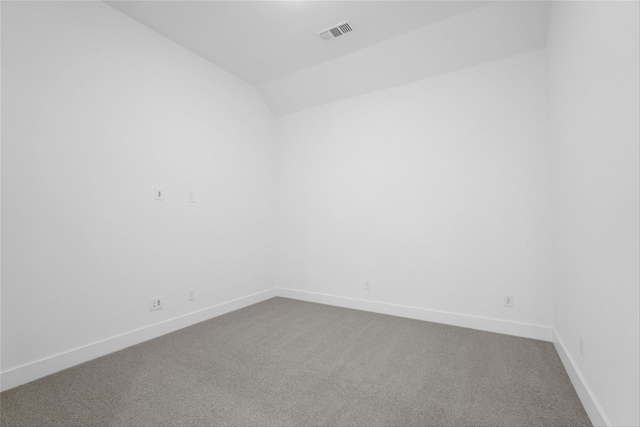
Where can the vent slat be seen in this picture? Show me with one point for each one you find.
(345, 28)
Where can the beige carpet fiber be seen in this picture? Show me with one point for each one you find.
(285, 362)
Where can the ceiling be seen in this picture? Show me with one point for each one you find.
(274, 45)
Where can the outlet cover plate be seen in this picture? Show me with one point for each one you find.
(508, 300)
(156, 304)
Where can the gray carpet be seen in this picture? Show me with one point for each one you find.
(286, 362)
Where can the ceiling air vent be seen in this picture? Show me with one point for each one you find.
(335, 31)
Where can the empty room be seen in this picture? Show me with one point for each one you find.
(312, 213)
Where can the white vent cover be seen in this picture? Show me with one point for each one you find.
(335, 31)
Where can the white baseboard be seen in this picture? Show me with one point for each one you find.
(591, 405)
(525, 330)
(32, 371)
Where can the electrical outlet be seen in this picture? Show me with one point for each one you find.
(156, 304)
(159, 194)
(508, 300)
(192, 294)
(581, 346)
(367, 286)
(191, 197)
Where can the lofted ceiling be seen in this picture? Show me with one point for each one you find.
(274, 45)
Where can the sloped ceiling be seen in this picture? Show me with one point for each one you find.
(274, 46)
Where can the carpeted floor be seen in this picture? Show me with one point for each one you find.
(285, 362)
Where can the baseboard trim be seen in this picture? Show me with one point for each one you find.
(32, 371)
(590, 403)
(525, 330)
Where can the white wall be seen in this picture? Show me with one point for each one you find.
(98, 111)
(593, 56)
(436, 191)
